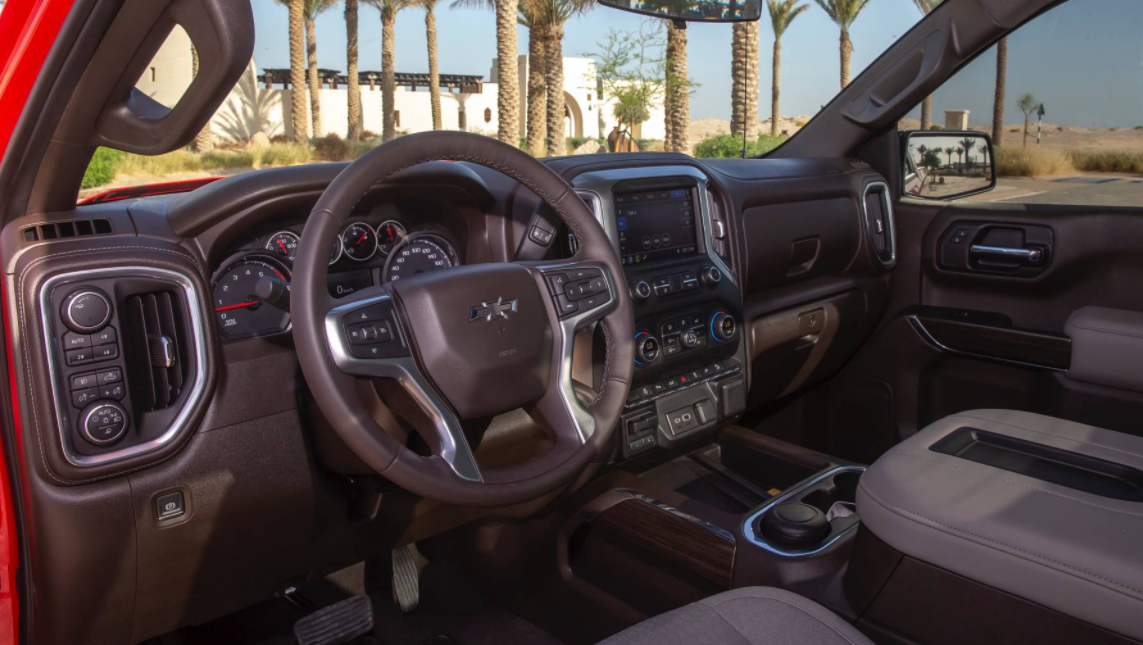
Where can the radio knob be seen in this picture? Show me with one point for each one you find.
(711, 276)
(86, 311)
(640, 291)
(689, 339)
(646, 348)
(723, 326)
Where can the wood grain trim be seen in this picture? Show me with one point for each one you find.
(686, 541)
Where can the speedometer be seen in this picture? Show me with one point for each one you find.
(419, 254)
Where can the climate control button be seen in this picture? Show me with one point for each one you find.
(723, 326)
(646, 348)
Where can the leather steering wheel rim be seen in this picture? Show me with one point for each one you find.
(446, 475)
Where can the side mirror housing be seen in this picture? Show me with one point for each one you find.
(945, 165)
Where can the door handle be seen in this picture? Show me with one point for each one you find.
(1021, 255)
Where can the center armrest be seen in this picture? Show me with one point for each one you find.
(1045, 509)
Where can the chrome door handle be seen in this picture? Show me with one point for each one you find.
(1024, 256)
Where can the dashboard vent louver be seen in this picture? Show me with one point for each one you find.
(156, 348)
(64, 230)
(719, 223)
(879, 223)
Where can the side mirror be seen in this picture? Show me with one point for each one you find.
(692, 10)
(947, 165)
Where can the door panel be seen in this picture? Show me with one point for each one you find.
(991, 338)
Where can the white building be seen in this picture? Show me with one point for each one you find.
(251, 107)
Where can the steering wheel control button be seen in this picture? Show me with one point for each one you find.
(103, 423)
(540, 236)
(86, 310)
(711, 276)
(370, 333)
(646, 348)
(170, 506)
(566, 306)
(374, 338)
(82, 398)
(73, 340)
(75, 357)
(722, 326)
(556, 282)
(370, 313)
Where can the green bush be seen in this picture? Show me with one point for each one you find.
(575, 142)
(726, 146)
(103, 167)
(1107, 161)
(288, 154)
(650, 145)
(936, 127)
(331, 148)
(223, 159)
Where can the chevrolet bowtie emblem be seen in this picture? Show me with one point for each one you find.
(489, 311)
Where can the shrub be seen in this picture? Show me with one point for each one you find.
(575, 142)
(224, 159)
(283, 155)
(103, 167)
(331, 148)
(1014, 130)
(727, 146)
(281, 138)
(162, 165)
(1107, 161)
(358, 148)
(649, 145)
(936, 127)
(1031, 162)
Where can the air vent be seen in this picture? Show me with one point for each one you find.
(156, 338)
(879, 223)
(63, 230)
(718, 223)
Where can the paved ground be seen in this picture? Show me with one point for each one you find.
(1087, 189)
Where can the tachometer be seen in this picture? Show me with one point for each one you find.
(419, 254)
(284, 245)
(359, 241)
(390, 233)
(241, 313)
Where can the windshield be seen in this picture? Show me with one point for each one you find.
(330, 80)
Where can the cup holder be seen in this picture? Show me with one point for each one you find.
(822, 493)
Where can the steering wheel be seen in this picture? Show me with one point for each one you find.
(466, 343)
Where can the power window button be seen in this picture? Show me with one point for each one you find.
(170, 506)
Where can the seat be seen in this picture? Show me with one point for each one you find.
(750, 616)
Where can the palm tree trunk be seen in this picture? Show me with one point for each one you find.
(753, 71)
(668, 96)
(434, 70)
(354, 109)
(300, 120)
(388, 75)
(554, 72)
(315, 82)
(998, 102)
(537, 92)
(507, 73)
(1025, 143)
(776, 88)
(204, 140)
(927, 113)
(678, 88)
(738, 79)
(846, 51)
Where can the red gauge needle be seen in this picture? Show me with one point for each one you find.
(283, 245)
(362, 238)
(389, 230)
(237, 306)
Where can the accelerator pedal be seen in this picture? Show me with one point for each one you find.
(337, 624)
(407, 565)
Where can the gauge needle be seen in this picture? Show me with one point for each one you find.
(283, 245)
(389, 230)
(362, 238)
(239, 305)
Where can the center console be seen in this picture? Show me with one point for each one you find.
(688, 377)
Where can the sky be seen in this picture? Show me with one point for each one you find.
(1095, 45)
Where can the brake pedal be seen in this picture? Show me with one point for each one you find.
(407, 565)
(336, 624)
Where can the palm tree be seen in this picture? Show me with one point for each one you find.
(354, 87)
(508, 86)
(388, 9)
(312, 9)
(744, 84)
(949, 151)
(300, 120)
(204, 140)
(843, 12)
(677, 92)
(968, 144)
(434, 69)
(782, 13)
(1027, 104)
(537, 116)
(959, 152)
(927, 105)
(998, 101)
(551, 16)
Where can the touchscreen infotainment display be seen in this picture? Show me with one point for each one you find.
(656, 225)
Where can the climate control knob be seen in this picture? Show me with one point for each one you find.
(723, 326)
(646, 348)
(690, 339)
(103, 423)
(86, 310)
(640, 291)
(711, 276)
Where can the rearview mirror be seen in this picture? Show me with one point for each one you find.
(692, 10)
(947, 165)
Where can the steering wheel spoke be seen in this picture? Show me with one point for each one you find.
(367, 340)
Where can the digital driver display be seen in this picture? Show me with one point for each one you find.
(656, 225)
